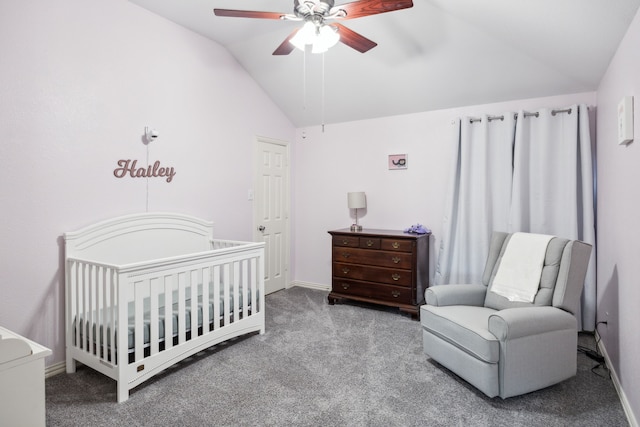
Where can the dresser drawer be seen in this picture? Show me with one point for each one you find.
(393, 276)
(376, 258)
(388, 293)
(397, 245)
(369, 243)
(346, 241)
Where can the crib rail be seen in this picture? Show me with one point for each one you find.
(223, 244)
(169, 307)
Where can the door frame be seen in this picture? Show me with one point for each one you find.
(257, 235)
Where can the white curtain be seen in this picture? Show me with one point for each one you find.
(533, 173)
(553, 184)
(479, 193)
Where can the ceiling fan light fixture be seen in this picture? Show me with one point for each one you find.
(321, 38)
(305, 35)
(328, 36)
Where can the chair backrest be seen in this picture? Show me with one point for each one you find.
(562, 279)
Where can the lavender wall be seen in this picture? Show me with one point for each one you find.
(618, 229)
(353, 157)
(79, 81)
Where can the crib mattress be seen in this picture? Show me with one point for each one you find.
(161, 320)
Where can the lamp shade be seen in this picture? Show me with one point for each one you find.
(327, 37)
(305, 35)
(357, 200)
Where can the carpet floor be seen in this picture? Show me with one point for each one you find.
(320, 365)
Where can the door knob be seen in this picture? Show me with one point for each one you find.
(261, 228)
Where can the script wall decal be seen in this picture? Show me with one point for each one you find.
(129, 167)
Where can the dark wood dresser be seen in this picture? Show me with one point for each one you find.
(380, 266)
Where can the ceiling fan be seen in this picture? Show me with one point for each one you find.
(315, 13)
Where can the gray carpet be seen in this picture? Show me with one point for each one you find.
(322, 365)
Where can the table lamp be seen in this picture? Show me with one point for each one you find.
(356, 200)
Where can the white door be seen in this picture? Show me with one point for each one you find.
(271, 210)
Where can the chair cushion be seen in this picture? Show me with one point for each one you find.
(465, 327)
(548, 278)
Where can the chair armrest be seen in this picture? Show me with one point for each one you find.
(443, 295)
(513, 323)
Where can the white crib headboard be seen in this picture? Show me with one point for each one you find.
(140, 237)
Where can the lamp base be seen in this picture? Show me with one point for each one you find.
(356, 227)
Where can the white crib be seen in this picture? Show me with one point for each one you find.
(159, 286)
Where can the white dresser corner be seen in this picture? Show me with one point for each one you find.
(22, 395)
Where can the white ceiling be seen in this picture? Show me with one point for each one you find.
(438, 54)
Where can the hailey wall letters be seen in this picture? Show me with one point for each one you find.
(129, 167)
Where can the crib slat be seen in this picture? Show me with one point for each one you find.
(168, 312)
(225, 298)
(124, 295)
(154, 333)
(99, 321)
(138, 316)
(203, 277)
(245, 288)
(260, 278)
(193, 295)
(216, 297)
(95, 311)
(76, 304)
(181, 309)
(104, 333)
(113, 314)
(101, 330)
(80, 307)
(254, 291)
(85, 304)
(89, 309)
(236, 290)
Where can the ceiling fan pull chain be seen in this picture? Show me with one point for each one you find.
(322, 114)
(304, 80)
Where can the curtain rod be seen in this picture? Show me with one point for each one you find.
(515, 116)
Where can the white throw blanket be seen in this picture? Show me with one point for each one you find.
(518, 275)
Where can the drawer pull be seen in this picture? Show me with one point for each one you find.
(395, 294)
(395, 276)
(345, 242)
(345, 270)
(395, 245)
(345, 286)
(369, 243)
(346, 255)
(395, 259)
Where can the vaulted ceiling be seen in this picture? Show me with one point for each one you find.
(437, 54)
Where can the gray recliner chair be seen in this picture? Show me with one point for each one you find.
(506, 348)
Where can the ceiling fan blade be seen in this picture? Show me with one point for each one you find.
(354, 40)
(248, 14)
(358, 9)
(286, 47)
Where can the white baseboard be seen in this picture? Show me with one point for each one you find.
(55, 369)
(633, 422)
(310, 285)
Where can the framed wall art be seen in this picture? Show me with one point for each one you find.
(398, 161)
